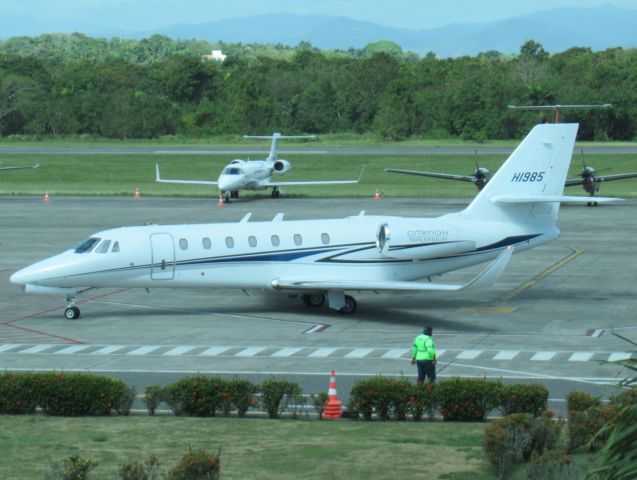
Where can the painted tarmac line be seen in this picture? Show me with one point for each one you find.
(511, 295)
(180, 350)
(146, 349)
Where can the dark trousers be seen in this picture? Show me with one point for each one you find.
(426, 368)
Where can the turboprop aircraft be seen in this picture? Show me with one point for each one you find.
(590, 181)
(587, 178)
(479, 178)
(328, 259)
(255, 174)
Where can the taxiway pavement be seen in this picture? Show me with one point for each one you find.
(549, 319)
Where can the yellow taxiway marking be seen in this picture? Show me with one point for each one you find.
(511, 295)
(514, 293)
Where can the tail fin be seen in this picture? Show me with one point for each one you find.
(530, 183)
(272, 157)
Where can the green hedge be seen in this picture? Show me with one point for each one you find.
(524, 398)
(61, 393)
(468, 399)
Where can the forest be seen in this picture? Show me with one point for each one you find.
(65, 85)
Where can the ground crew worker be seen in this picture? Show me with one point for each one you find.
(424, 355)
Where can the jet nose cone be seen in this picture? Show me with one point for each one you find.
(20, 277)
(227, 184)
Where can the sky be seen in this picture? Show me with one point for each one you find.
(33, 17)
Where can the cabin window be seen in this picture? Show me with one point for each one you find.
(206, 243)
(103, 247)
(229, 242)
(115, 247)
(87, 245)
(325, 238)
(183, 244)
(298, 240)
(275, 240)
(252, 241)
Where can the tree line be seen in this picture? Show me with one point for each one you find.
(155, 87)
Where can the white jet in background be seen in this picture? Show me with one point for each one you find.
(326, 259)
(256, 174)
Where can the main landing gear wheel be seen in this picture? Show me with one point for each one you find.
(314, 300)
(234, 194)
(349, 307)
(72, 313)
(275, 192)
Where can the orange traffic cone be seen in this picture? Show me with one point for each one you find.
(377, 195)
(332, 408)
(46, 197)
(220, 202)
(137, 194)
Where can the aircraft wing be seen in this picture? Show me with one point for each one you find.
(618, 176)
(573, 181)
(19, 168)
(191, 182)
(486, 278)
(447, 176)
(317, 182)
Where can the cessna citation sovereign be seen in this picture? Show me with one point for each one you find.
(325, 259)
(256, 174)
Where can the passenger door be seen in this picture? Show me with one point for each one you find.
(163, 256)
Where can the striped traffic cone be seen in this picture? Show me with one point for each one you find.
(46, 197)
(137, 194)
(332, 408)
(220, 202)
(377, 195)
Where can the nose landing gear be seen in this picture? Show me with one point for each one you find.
(71, 312)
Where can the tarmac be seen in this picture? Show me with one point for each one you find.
(549, 319)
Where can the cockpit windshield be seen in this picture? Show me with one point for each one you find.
(231, 171)
(87, 245)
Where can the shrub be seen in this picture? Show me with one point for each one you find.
(319, 401)
(467, 399)
(402, 393)
(199, 396)
(552, 465)
(73, 394)
(71, 468)
(19, 393)
(624, 398)
(507, 441)
(279, 394)
(196, 465)
(586, 417)
(240, 395)
(375, 395)
(152, 398)
(424, 401)
(524, 398)
(149, 470)
(545, 433)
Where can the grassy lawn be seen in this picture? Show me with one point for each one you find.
(107, 174)
(250, 447)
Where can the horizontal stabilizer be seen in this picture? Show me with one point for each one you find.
(551, 198)
(191, 182)
(485, 278)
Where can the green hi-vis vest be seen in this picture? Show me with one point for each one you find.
(424, 348)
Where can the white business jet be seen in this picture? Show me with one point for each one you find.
(325, 259)
(255, 174)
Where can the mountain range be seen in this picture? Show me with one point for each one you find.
(557, 30)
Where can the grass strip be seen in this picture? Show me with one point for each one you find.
(250, 447)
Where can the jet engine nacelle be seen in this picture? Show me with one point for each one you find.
(419, 243)
(282, 166)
